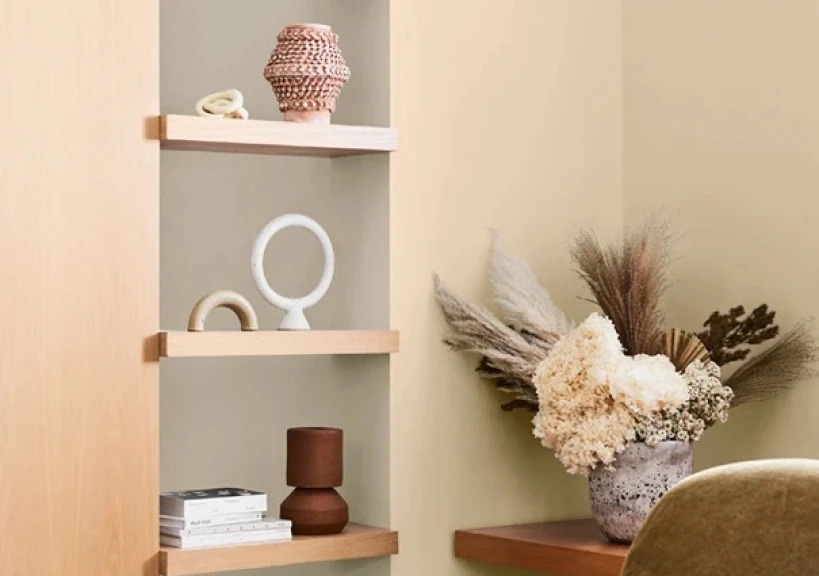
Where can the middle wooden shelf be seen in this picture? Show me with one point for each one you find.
(276, 343)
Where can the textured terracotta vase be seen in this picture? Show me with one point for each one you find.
(621, 500)
(315, 468)
(307, 72)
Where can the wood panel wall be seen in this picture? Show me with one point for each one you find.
(78, 288)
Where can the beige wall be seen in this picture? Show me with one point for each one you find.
(722, 131)
(509, 116)
(705, 110)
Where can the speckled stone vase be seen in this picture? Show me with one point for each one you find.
(621, 500)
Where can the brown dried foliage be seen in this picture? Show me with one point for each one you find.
(725, 334)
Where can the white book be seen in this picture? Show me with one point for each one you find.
(211, 502)
(226, 528)
(230, 538)
(182, 523)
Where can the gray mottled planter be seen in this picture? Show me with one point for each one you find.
(621, 500)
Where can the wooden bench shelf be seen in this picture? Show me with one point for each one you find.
(574, 548)
(356, 541)
(276, 343)
(274, 138)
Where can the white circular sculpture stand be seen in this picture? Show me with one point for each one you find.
(227, 104)
(295, 307)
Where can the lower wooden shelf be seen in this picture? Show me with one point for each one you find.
(574, 548)
(356, 541)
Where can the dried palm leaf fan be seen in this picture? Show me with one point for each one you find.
(683, 348)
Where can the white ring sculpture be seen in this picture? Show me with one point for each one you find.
(295, 307)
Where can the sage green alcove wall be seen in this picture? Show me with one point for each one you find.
(223, 421)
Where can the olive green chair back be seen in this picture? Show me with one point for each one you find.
(758, 518)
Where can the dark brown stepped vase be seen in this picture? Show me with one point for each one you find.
(314, 468)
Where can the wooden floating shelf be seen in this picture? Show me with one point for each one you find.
(278, 343)
(575, 548)
(275, 138)
(356, 541)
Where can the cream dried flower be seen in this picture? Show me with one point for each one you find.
(578, 418)
(710, 399)
(648, 384)
(591, 395)
(677, 424)
(708, 403)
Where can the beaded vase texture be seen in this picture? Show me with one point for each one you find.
(306, 69)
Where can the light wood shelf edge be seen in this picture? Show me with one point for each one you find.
(277, 343)
(357, 541)
(194, 133)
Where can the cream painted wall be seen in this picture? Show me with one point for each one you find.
(722, 132)
(510, 116)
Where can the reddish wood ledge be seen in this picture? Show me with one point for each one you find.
(573, 548)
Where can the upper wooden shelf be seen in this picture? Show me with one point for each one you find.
(276, 343)
(356, 541)
(575, 548)
(276, 138)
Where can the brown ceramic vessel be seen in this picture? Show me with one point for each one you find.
(315, 468)
(315, 457)
(315, 511)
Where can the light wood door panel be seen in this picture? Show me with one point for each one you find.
(78, 288)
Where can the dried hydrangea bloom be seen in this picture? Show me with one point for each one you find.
(648, 384)
(591, 396)
(578, 417)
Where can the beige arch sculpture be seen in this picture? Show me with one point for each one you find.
(223, 299)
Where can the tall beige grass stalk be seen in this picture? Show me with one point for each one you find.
(525, 304)
(476, 330)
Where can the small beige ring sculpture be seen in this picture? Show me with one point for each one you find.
(227, 104)
(223, 299)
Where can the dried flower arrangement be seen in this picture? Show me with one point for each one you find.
(623, 376)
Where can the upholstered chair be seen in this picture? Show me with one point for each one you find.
(758, 518)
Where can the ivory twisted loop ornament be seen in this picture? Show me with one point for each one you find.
(227, 104)
(295, 307)
(307, 72)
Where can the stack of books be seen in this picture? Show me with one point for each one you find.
(217, 517)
